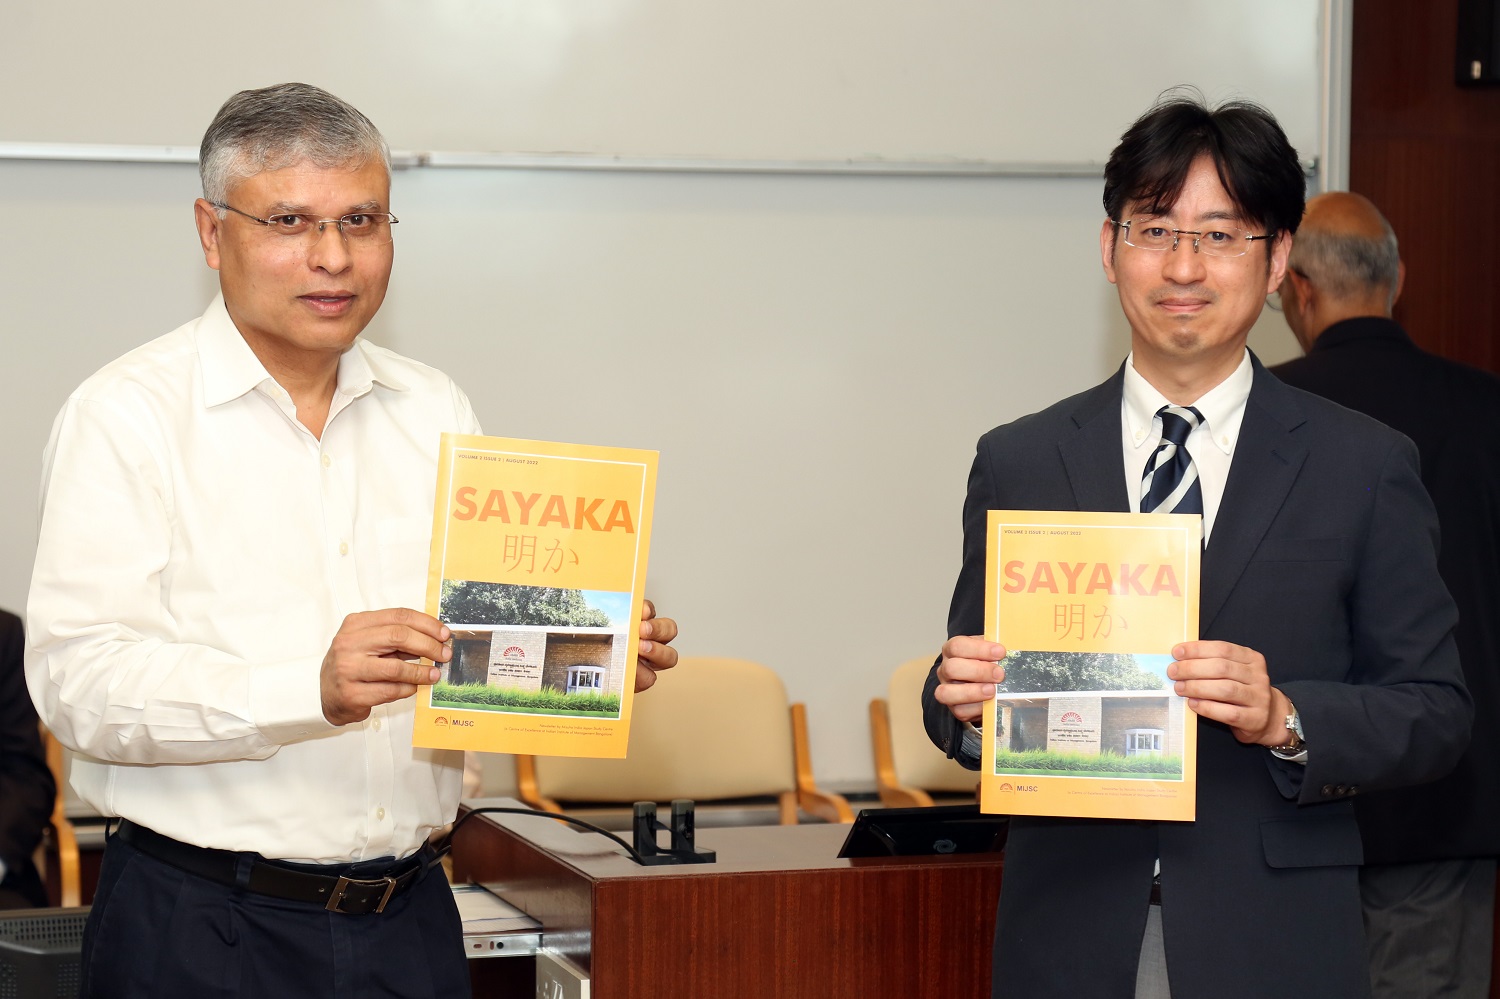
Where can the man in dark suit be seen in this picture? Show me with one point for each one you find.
(26, 786)
(1429, 876)
(1326, 667)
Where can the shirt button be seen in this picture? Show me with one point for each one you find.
(343, 548)
(327, 460)
(375, 724)
(380, 813)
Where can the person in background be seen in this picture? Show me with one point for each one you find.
(1326, 667)
(234, 534)
(26, 786)
(1428, 882)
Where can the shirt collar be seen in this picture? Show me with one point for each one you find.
(365, 364)
(231, 369)
(1222, 407)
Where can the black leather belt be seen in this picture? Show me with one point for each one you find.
(352, 889)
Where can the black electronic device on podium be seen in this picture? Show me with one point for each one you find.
(682, 848)
(918, 832)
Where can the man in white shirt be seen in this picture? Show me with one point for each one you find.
(1326, 665)
(234, 534)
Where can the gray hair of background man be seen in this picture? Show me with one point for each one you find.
(275, 127)
(1346, 265)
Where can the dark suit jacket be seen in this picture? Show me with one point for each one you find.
(1452, 413)
(26, 786)
(1323, 558)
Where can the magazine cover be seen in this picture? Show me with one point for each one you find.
(1088, 607)
(538, 568)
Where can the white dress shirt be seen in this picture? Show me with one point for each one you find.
(1211, 442)
(199, 548)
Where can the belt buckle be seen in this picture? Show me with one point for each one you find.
(344, 884)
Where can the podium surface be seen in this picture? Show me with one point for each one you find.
(778, 915)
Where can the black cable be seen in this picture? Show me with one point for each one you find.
(448, 840)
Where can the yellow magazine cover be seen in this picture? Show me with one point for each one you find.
(1086, 722)
(539, 570)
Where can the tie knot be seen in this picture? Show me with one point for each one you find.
(1177, 422)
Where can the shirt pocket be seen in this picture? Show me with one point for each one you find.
(402, 549)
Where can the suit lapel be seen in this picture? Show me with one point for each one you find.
(1092, 456)
(1266, 463)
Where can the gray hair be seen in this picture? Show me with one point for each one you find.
(275, 127)
(1346, 265)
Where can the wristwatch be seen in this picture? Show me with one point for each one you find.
(1294, 741)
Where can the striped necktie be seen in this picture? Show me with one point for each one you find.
(1170, 482)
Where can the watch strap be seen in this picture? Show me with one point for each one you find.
(1295, 743)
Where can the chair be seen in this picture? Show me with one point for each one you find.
(710, 729)
(59, 860)
(908, 767)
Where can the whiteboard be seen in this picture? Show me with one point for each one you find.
(788, 80)
(814, 357)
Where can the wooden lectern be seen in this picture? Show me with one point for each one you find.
(779, 915)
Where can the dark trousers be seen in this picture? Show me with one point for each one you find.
(156, 932)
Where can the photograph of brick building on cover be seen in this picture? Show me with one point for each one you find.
(1088, 714)
(534, 649)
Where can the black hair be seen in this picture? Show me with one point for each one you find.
(1256, 164)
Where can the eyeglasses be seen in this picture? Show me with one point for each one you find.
(1150, 234)
(357, 228)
